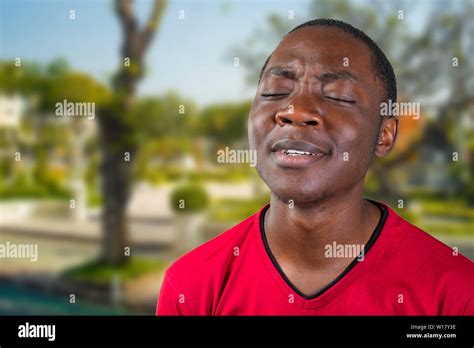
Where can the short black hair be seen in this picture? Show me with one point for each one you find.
(382, 65)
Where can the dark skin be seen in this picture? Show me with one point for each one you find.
(318, 199)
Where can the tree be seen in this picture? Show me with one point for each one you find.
(224, 123)
(42, 86)
(118, 143)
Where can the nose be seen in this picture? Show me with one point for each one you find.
(301, 112)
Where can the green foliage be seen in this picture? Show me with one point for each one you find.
(23, 188)
(235, 210)
(449, 228)
(162, 174)
(155, 117)
(76, 87)
(28, 80)
(423, 194)
(452, 209)
(100, 273)
(194, 198)
(468, 194)
(440, 216)
(166, 148)
(94, 198)
(225, 123)
(51, 84)
(409, 215)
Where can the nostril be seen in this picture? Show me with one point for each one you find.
(311, 123)
(286, 120)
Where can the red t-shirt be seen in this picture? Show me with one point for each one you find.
(404, 271)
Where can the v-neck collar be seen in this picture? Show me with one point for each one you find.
(312, 298)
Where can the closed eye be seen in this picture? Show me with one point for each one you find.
(274, 95)
(341, 100)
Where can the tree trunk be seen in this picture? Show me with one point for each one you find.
(117, 132)
(116, 184)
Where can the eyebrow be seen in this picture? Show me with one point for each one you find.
(327, 76)
(337, 75)
(281, 71)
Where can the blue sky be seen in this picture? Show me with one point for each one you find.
(190, 55)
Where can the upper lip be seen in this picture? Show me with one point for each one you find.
(289, 144)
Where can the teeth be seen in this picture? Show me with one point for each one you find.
(297, 152)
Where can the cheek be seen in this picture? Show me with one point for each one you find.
(253, 133)
(354, 138)
(259, 125)
(349, 139)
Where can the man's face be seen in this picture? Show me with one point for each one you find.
(315, 117)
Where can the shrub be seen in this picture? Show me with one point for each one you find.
(189, 198)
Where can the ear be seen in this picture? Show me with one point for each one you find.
(387, 136)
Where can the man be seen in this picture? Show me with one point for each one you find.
(316, 126)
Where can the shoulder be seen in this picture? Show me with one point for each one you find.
(423, 247)
(432, 262)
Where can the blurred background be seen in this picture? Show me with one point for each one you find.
(112, 197)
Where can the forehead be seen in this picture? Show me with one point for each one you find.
(321, 46)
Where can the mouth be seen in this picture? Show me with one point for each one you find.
(295, 154)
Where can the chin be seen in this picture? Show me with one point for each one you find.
(300, 196)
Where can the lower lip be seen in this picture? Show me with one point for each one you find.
(295, 161)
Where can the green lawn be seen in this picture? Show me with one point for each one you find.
(450, 228)
(99, 273)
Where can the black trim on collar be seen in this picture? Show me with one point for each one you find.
(367, 247)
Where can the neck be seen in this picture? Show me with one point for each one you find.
(299, 235)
